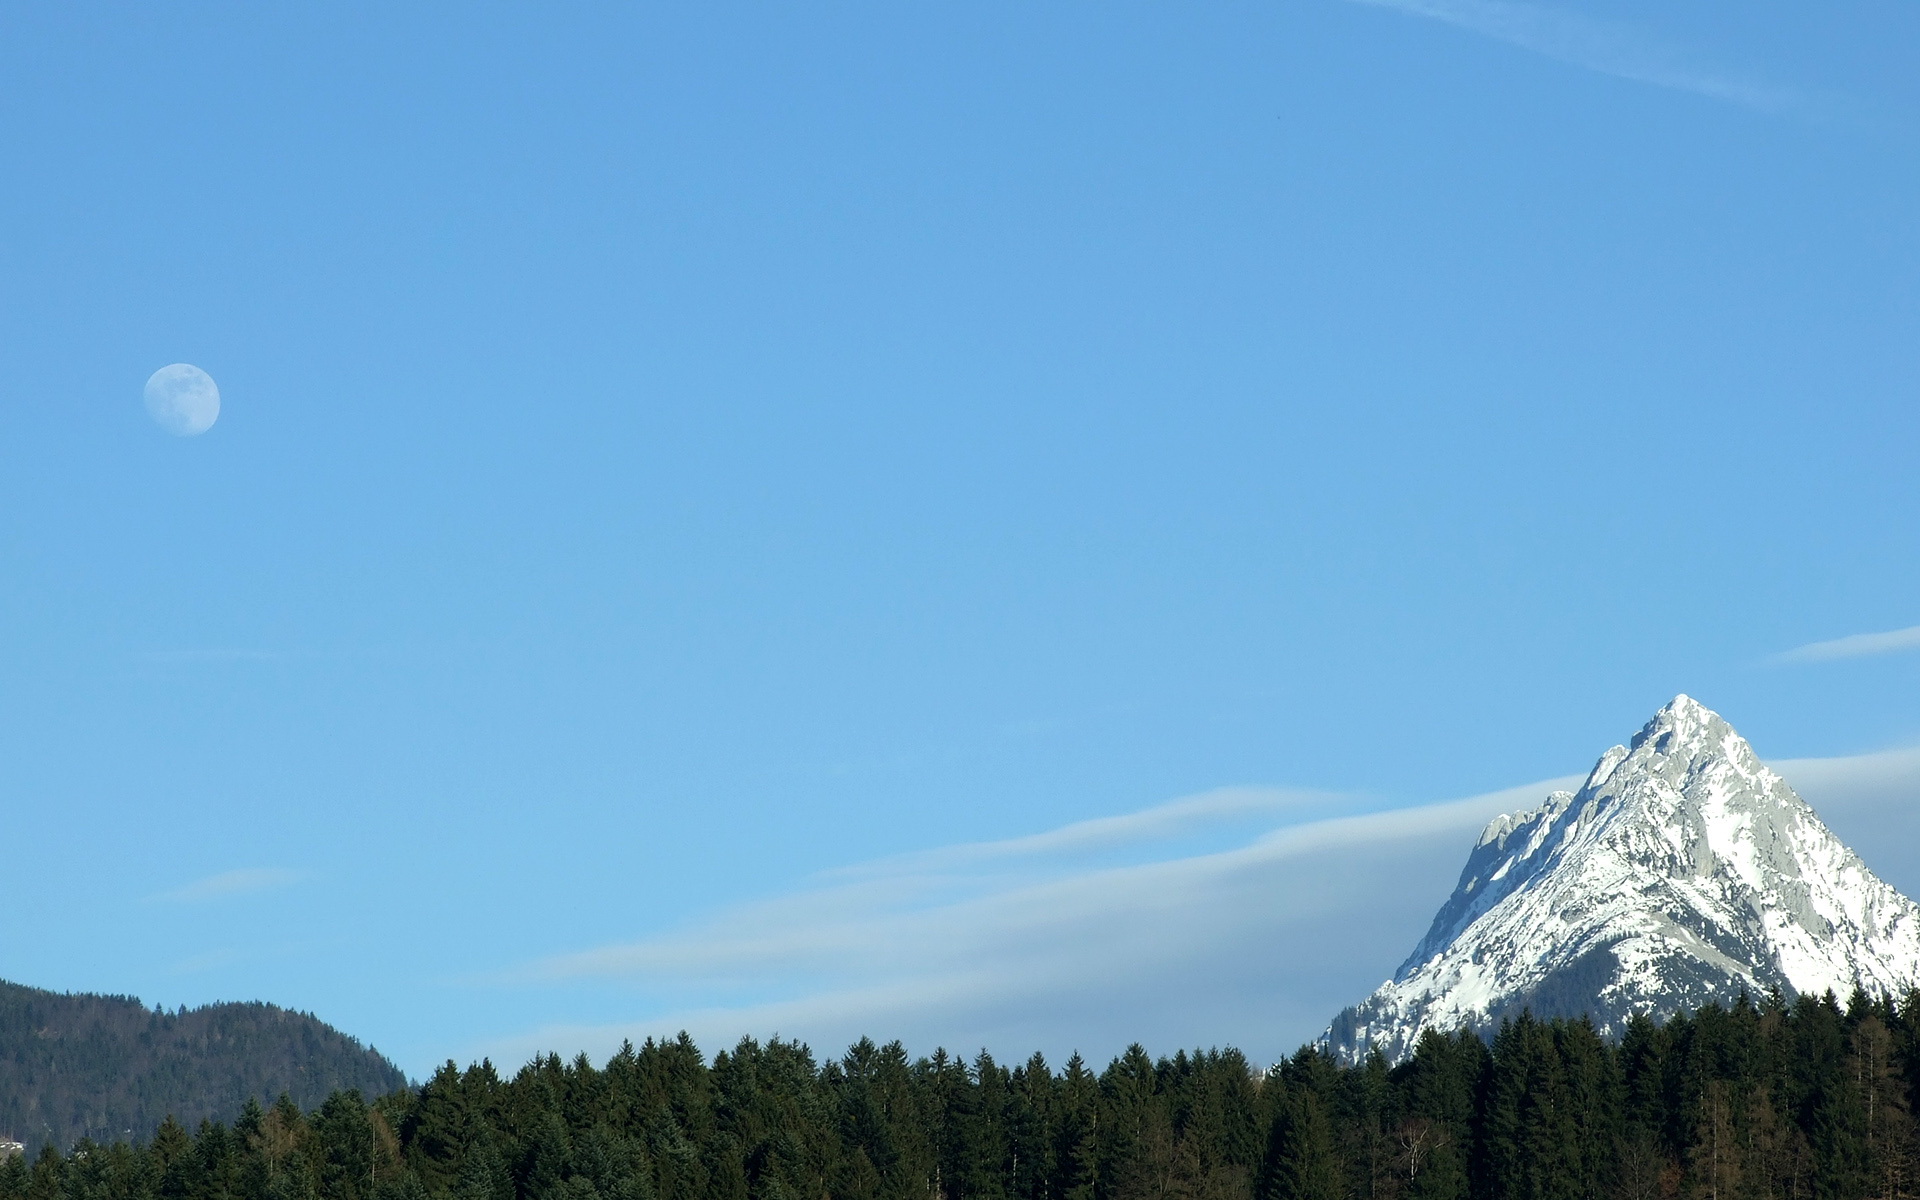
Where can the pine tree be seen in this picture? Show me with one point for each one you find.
(1442, 1085)
(1829, 1100)
(1030, 1118)
(1148, 1171)
(1531, 1135)
(1300, 1161)
(171, 1153)
(1593, 1098)
(1646, 1050)
(13, 1177)
(344, 1143)
(548, 1161)
(438, 1129)
(1127, 1090)
(47, 1181)
(482, 1175)
(1366, 1113)
(1076, 1134)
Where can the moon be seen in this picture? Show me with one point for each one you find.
(183, 400)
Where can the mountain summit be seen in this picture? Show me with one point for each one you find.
(1682, 872)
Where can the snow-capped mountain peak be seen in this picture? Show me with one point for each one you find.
(1683, 871)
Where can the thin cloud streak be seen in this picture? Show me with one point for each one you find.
(802, 932)
(1859, 645)
(1256, 945)
(1020, 959)
(1159, 822)
(1602, 46)
(843, 913)
(231, 883)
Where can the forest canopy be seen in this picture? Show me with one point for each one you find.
(1804, 1101)
(104, 1067)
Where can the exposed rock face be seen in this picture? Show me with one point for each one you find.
(1683, 871)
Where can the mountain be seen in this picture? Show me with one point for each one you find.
(1682, 872)
(109, 1068)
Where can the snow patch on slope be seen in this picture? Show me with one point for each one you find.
(1682, 871)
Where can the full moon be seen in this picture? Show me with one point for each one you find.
(183, 400)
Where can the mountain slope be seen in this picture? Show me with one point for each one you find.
(107, 1067)
(1683, 871)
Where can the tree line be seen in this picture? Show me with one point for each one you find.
(1809, 1100)
(106, 1067)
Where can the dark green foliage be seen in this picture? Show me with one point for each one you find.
(1301, 1162)
(108, 1067)
(1767, 1102)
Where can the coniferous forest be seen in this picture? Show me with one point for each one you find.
(1807, 1101)
(76, 1065)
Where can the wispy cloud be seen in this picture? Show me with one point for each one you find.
(1859, 645)
(231, 883)
(1271, 936)
(1604, 46)
(1160, 822)
(1028, 944)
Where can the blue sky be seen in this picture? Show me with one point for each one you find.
(671, 458)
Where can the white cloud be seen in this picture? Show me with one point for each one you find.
(1859, 645)
(1023, 944)
(1160, 821)
(1603, 46)
(231, 883)
(1258, 944)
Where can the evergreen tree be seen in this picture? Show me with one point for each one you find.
(13, 1176)
(1076, 1134)
(1030, 1117)
(1442, 1083)
(344, 1147)
(1127, 1096)
(49, 1176)
(482, 1175)
(1594, 1092)
(1751, 1102)
(1829, 1100)
(1300, 1161)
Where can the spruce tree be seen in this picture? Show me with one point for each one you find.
(1076, 1134)
(344, 1147)
(1300, 1160)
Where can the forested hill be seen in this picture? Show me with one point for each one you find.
(1811, 1101)
(107, 1067)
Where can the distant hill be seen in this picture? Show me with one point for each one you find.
(109, 1068)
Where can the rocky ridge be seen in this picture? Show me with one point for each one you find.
(1682, 872)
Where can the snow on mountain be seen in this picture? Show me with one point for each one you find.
(1683, 871)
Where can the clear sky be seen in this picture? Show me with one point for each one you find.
(672, 458)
